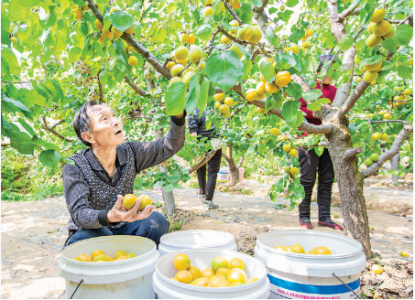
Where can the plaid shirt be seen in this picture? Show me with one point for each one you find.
(90, 192)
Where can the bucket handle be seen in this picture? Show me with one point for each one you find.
(346, 286)
(77, 288)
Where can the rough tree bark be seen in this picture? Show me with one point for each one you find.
(233, 168)
(168, 197)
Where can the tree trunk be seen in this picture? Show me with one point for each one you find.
(395, 167)
(233, 169)
(168, 197)
(350, 181)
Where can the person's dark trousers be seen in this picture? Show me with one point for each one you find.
(152, 227)
(310, 164)
(213, 169)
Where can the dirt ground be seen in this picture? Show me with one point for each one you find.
(33, 233)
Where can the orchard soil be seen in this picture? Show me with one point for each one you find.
(33, 232)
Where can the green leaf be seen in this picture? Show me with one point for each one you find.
(257, 3)
(404, 72)
(284, 61)
(58, 88)
(103, 77)
(311, 62)
(225, 69)
(203, 95)
(49, 158)
(137, 30)
(285, 15)
(294, 90)
(204, 32)
(175, 98)
(312, 94)
(404, 34)
(324, 100)
(18, 12)
(359, 44)
(269, 34)
(74, 54)
(191, 97)
(29, 3)
(391, 44)
(370, 60)
(121, 20)
(315, 106)
(22, 145)
(267, 70)
(27, 127)
(8, 56)
(246, 16)
(346, 42)
(23, 32)
(217, 6)
(291, 3)
(292, 116)
(16, 105)
(161, 35)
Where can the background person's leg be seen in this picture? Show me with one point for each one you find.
(213, 169)
(325, 183)
(201, 178)
(84, 234)
(152, 227)
(308, 168)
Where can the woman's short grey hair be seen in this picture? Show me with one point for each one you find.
(82, 122)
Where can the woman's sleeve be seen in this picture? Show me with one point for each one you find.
(149, 154)
(304, 109)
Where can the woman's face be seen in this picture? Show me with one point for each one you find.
(106, 128)
(327, 80)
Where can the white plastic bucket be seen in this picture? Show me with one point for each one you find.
(166, 288)
(241, 174)
(196, 239)
(306, 276)
(224, 175)
(125, 279)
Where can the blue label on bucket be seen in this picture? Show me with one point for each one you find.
(314, 289)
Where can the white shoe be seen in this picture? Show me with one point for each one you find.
(201, 198)
(210, 205)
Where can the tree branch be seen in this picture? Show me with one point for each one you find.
(352, 152)
(260, 9)
(240, 162)
(203, 162)
(402, 136)
(101, 93)
(351, 10)
(310, 128)
(351, 101)
(232, 12)
(51, 130)
(133, 42)
(136, 88)
(60, 122)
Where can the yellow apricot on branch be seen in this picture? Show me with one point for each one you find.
(378, 15)
(98, 25)
(195, 54)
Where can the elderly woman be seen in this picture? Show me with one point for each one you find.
(102, 174)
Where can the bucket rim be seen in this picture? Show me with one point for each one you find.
(358, 251)
(182, 232)
(166, 279)
(115, 262)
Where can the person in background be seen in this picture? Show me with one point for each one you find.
(197, 127)
(311, 163)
